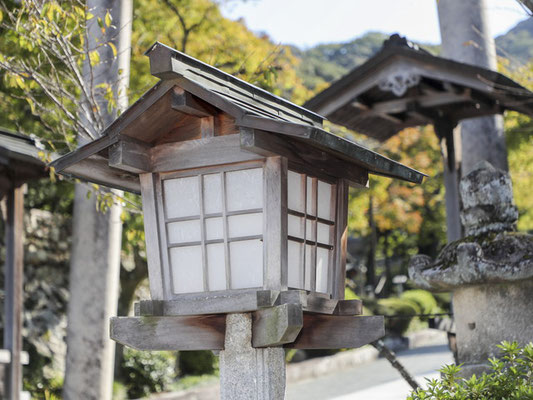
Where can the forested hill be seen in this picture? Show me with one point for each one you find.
(325, 63)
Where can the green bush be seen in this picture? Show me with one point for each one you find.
(425, 300)
(197, 362)
(511, 378)
(147, 372)
(402, 309)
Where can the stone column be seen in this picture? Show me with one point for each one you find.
(466, 38)
(247, 373)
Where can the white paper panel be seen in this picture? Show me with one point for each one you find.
(214, 228)
(182, 197)
(323, 233)
(187, 273)
(309, 234)
(246, 259)
(212, 194)
(295, 226)
(322, 270)
(295, 195)
(295, 266)
(245, 225)
(216, 267)
(184, 231)
(308, 266)
(310, 206)
(244, 189)
(324, 200)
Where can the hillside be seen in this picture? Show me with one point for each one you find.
(517, 44)
(325, 63)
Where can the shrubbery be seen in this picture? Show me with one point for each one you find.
(511, 378)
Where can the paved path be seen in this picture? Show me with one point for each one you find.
(375, 380)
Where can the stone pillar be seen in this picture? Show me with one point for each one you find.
(247, 373)
(466, 38)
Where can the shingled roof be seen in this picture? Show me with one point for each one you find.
(185, 79)
(404, 85)
(19, 160)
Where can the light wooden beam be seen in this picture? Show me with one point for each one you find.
(204, 332)
(207, 303)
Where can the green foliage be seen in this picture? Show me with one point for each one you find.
(424, 299)
(147, 372)
(402, 309)
(197, 362)
(511, 377)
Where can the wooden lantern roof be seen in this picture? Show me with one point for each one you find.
(19, 160)
(195, 97)
(404, 86)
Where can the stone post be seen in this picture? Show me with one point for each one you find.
(466, 38)
(247, 373)
(490, 271)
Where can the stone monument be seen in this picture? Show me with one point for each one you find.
(490, 271)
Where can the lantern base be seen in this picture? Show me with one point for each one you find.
(241, 301)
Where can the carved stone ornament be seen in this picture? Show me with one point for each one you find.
(492, 251)
(399, 82)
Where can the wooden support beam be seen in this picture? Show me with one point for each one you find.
(298, 152)
(130, 155)
(210, 304)
(200, 153)
(276, 326)
(186, 103)
(170, 333)
(337, 332)
(13, 282)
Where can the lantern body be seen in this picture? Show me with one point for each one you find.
(253, 225)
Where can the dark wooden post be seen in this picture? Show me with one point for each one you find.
(13, 291)
(449, 136)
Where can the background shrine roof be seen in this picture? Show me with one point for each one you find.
(19, 159)
(404, 85)
(249, 106)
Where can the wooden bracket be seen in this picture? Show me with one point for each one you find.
(186, 103)
(321, 305)
(276, 326)
(130, 155)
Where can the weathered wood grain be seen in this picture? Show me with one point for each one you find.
(275, 223)
(130, 155)
(186, 103)
(151, 233)
(337, 332)
(170, 333)
(298, 152)
(210, 303)
(200, 153)
(349, 307)
(277, 325)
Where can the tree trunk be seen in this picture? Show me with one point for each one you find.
(466, 38)
(96, 244)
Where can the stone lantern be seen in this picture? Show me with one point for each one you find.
(245, 207)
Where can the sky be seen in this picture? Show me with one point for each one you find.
(306, 23)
